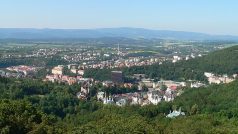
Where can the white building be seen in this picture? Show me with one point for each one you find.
(100, 95)
(207, 74)
(175, 113)
(81, 72)
(154, 97)
(176, 58)
(108, 100)
(74, 71)
(197, 85)
(121, 102)
(169, 95)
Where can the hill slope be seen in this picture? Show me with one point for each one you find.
(220, 62)
(220, 99)
(224, 61)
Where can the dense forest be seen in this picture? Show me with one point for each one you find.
(219, 62)
(39, 62)
(32, 106)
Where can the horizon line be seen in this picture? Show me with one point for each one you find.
(98, 28)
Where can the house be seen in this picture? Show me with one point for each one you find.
(169, 95)
(107, 83)
(100, 95)
(170, 83)
(121, 102)
(207, 74)
(176, 58)
(50, 78)
(108, 100)
(81, 95)
(128, 85)
(65, 78)
(145, 102)
(85, 89)
(81, 72)
(26, 70)
(146, 82)
(136, 99)
(73, 71)
(154, 97)
(173, 87)
(226, 79)
(234, 75)
(218, 79)
(72, 80)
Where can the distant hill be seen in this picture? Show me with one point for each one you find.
(28, 33)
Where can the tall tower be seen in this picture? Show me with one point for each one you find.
(118, 49)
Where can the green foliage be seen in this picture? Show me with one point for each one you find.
(32, 106)
(31, 61)
(119, 90)
(164, 87)
(22, 117)
(98, 74)
(220, 99)
(220, 62)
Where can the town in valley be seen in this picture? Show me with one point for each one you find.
(39, 62)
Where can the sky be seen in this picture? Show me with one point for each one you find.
(206, 16)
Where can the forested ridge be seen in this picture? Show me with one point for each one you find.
(32, 106)
(221, 62)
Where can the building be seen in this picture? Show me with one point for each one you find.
(81, 72)
(176, 58)
(74, 71)
(147, 82)
(107, 83)
(175, 113)
(26, 70)
(108, 100)
(154, 97)
(197, 85)
(117, 77)
(121, 102)
(85, 89)
(100, 95)
(207, 74)
(58, 70)
(169, 95)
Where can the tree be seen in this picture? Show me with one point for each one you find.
(163, 87)
(194, 109)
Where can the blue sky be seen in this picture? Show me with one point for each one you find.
(207, 16)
